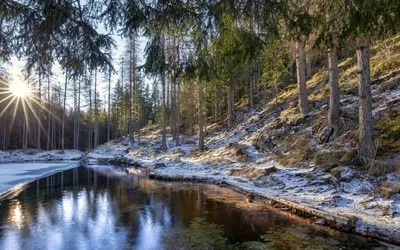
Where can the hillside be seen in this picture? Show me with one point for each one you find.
(277, 152)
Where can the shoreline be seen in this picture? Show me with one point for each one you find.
(341, 223)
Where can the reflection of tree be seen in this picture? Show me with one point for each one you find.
(299, 237)
(112, 210)
(200, 235)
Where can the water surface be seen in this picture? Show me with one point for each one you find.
(103, 208)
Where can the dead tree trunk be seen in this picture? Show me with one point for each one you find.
(366, 144)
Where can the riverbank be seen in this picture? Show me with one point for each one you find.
(34, 155)
(349, 196)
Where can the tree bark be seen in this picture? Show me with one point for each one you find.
(75, 115)
(201, 135)
(163, 108)
(334, 99)
(230, 105)
(178, 107)
(78, 118)
(308, 65)
(251, 78)
(301, 78)
(366, 144)
(164, 116)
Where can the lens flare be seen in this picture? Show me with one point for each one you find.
(20, 89)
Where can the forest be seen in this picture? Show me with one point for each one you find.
(201, 57)
(294, 103)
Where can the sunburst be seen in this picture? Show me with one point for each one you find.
(26, 93)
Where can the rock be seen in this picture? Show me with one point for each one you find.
(326, 134)
(320, 221)
(177, 160)
(270, 170)
(159, 165)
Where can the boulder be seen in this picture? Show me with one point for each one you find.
(326, 134)
(159, 165)
(270, 170)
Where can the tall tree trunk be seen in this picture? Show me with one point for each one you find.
(308, 65)
(291, 66)
(109, 105)
(39, 129)
(201, 120)
(230, 105)
(173, 110)
(48, 113)
(75, 115)
(301, 78)
(64, 113)
(78, 118)
(334, 99)
(251, 78)
(178, 107)
(90, 113)
(366, 144)
(131, 82)
(96, 130)
(164, 115)
(276, 92)
(122, 97)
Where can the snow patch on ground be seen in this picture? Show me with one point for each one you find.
(32, 155)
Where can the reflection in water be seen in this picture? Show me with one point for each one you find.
(16, 217)
(85, 208)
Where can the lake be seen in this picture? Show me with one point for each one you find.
(101, 207)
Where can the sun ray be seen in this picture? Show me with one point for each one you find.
(5, 99)
(35, 115)
(45, 109)
(14, 114)
(8, 105)
(25, 114)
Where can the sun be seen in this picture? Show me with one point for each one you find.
(20, 89)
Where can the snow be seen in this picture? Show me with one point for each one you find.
(14, 175)
(32, 155)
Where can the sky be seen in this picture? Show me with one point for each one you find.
(16, 66)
